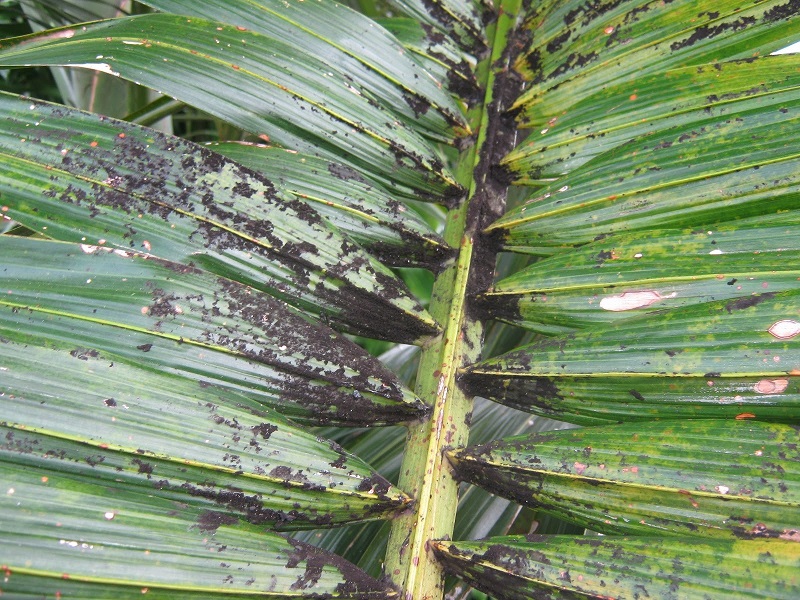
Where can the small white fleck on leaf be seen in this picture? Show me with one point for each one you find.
(103, 67)
(722, 489)
(784, 329)
(716, 251)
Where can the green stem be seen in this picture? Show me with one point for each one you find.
(425, 473)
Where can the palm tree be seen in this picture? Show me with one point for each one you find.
(606, 194)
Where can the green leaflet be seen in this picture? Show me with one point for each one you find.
(614, 114)
(438, 53)
(692, 175)
(258, 83)
(154, 314)
(372, 61)
(63, 533)
(714, 478)
(620, 276)
(351, 202)
(540, 567)
(581, 47)
(458, 19)
(725, 358)
(84, 178)
(267, 473)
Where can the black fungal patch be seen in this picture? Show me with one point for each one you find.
(419, 105)
(144, 468)
(341, 461)
(573, 62)
(345, 173)
(517, 392)
(504, 307)
(759, 89)
(558, 41)
(356, 584)
(461, 82)
(161, 307)
(748, 301)
(494, 582)
(453, 25)
(264, 431)
(209, 521)
(302, 384)
(84, 353)
(603, 256)
(94, 460)
(252, 507)
(636, 395)
(783, 11)
(705, 32)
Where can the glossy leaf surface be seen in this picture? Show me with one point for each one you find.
(717, 359)
(84, 178)
(134, 542)
(620, 276)
(271, 89)
(685, 176)
(707, 377)
(543, 567)
(439, 54)
(716, 478)
(349, 42)
(579, 48)
(350, 201)
(614, 114)
(206, 330)
(458, 19)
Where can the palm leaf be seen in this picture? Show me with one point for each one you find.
(141, 190)
(134, 543)
(438, 53)
(678, 97)
(456, 18)
(716, 359)
(725, 479)
(620, 276)
(655, 281)
(621, 567)
(151, 313)
(350, 201)
(302, 113)
(372, 60)
(657, 180)
(579, 48)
